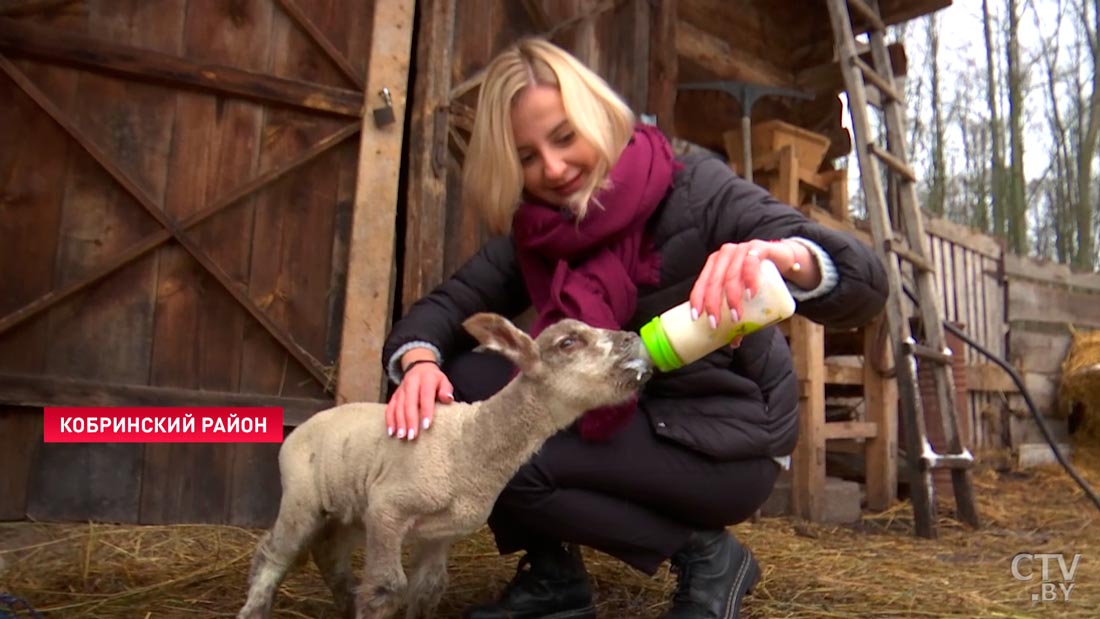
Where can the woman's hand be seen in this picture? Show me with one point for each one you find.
(412, 406)
(735, 268)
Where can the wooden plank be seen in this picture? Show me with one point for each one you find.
(255, 487)
(663, 66)
(23, 8)
(22, 39)
(30, 390)
(370, 273)
(22, 432)
(962, 235)
(199, 328)
(996, 289)
(880, 398)
(1052, 273)
(842, 374)
(808, 462)
(289, 274)
(989, 377)
(103, 334)
(839, 430)
(1037, 302)
(425, 214)
(638, 59)
(30, 213)
(1038, 350)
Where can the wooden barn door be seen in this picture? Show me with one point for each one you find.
(184, 187)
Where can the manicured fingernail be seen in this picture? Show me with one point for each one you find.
(412, 434)
(427, 422)
(694, 314)
(389, 430)
(449, 396)
(713, 321)
(401, 433)
(733, 315)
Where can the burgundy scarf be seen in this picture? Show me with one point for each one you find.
(591, 271)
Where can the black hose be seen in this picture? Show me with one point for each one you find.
(1044, 429)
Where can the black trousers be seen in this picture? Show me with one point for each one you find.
(637, 497)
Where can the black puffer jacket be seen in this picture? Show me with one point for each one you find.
(731, 404)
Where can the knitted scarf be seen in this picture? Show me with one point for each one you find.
(591, 271)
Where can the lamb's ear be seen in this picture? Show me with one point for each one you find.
(498, 334)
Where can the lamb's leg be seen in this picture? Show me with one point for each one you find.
(332, 554)
(383, 587)
(279, 549)
(428, 580)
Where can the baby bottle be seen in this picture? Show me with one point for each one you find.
(674, 340)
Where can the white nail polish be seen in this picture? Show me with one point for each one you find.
(401, 433)
(427, 422)
(412, 434)
(713, 322)
(389, 430)
(694, 314)
(733, 315)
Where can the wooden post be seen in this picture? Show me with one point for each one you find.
(808, 349)
(808, 463)
(371, 257)
(880, 399)
(663, 66)
(426, 212)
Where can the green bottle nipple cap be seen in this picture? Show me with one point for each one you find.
(658, 346)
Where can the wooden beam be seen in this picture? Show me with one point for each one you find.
(880, 400)
(808, 463)
(725, 62)
(19, 38)
(36, 390)
(837, 430)
(663, 66)
(638, 95)
(842, 374)
(827, 79)
(23, 8)
(370, 281)
(426, 212)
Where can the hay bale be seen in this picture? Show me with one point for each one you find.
(1080, 384)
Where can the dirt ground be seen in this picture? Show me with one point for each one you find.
(875, 568)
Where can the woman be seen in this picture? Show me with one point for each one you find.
(599, 221)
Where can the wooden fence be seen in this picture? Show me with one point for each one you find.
(1020, 309)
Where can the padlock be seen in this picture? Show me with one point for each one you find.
(384, 115)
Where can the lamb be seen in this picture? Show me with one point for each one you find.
(345, 481)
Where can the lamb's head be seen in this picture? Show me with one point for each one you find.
(582, 366)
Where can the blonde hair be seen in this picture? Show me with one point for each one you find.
(492, 173)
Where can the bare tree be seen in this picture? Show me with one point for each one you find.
(996, 128)
(1017, 196)
(937, 166)
(1089, 120)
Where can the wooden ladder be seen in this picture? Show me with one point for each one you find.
(895, 247)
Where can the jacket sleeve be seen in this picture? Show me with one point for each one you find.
(737, 211)
(489, 281)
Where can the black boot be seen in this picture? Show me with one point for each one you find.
(550, 583)
(714, 573)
